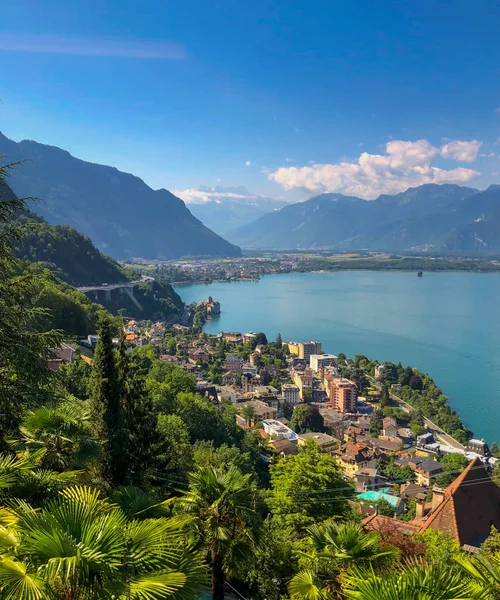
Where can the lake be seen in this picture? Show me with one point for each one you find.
(446, 324)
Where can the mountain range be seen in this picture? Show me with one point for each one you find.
(437, 218)
(224, 209)
(121, 214)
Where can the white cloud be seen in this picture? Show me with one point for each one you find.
(90, 46)
(405, 164)
(194, 196)
(463, 151)
(490, 154)
(248, 163)
(288, 159)
(495, 173)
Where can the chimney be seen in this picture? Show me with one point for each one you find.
(419, 508)
(437, 497)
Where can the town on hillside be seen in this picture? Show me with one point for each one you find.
(394, 439)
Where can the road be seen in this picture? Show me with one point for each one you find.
(114, 286)
(436, 430)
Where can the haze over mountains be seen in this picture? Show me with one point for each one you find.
(438, 218)
(224, 209)
(118, 211)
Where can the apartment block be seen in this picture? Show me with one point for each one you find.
(342, 394)
(320, 361)
(304, 349)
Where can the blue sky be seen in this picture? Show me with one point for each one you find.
(288, 98)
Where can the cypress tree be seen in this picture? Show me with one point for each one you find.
(143, 447)
(279, 341)
(107, 411)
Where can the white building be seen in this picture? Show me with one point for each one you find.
(317, 361)
(277, 430)
(291, 393)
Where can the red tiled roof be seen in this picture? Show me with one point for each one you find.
(470, 507)
(379, 523)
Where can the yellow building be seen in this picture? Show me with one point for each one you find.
(303, 350)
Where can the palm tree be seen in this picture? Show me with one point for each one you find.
(417, 580)
(484, 572)
(220, 503)
(248, 412)
(22, 476)
(337, 546)
(64, 431)
(82, 547)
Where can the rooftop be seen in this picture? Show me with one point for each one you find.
(319, 438)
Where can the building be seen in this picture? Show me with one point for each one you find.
(211, 306)
(389, 427)
(231, 336)
(248, 337)
(342, 394)
(248, 369)
(466, 510)
(425, 469)
(226, 392)
(410, 490)
(291, 393)
(353, 457)
(261, 411)
(284, 447)
(304, 349)
(63, 355)
(277, 430)
(326, 442)
(303, 380)
(199, 355)
(334, 421)
(366, 479)
(320, 361)
(479, 447)
(234, 363)
(249, 382)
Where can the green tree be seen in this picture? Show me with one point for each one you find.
(64, 431)
(261, 339)
(178, 450)
(248, 412)
(81, 546)
(144, 448)
(279, 341)
(376, 423)
(107, 409)
(384, 396)
(75, 377)
(220, 503)
(409, 581)
(383, 507)
(25, 343)
(306, 418)
(341, 546)
(300, 485)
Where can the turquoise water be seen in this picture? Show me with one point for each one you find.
(446, 324)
